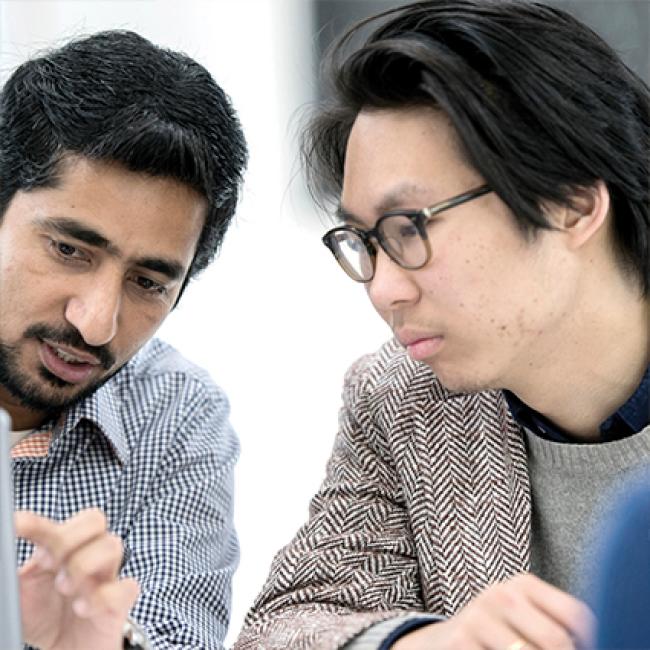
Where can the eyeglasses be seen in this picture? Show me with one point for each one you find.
(402, 235)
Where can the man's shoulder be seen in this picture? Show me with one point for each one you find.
(162, 394)
(159, 378)
(158, 359)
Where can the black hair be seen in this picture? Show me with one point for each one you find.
(542, 106)
(116, 97)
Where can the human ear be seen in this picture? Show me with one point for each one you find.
(585, 216)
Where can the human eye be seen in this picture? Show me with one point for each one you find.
(148, 286)
(67, 252)
(355, 244)
(399, 227)
(407, 229)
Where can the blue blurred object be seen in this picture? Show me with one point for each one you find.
(622, 588)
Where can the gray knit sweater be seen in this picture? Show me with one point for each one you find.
(573, 486)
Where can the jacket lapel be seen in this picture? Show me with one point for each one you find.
(473, 495)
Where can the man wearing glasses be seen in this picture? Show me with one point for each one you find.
(490, 164)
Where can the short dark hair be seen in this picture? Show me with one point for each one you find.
(116, 97)
(542, 106)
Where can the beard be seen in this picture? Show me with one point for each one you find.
(51, 394)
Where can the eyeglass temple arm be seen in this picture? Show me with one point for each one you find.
(456, 200)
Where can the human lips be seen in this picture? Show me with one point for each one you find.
(72, 354)
(420, 345)
(67, 363)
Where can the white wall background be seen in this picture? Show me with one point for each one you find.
(273, 320)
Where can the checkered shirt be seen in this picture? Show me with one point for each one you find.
(153, 449)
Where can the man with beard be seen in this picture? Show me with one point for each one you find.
(120, 169)
(488, 163)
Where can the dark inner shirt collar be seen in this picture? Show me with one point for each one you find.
(629, 419)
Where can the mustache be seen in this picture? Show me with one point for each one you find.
(71, 336)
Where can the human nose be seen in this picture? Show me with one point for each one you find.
(94, 309)
(392, 287)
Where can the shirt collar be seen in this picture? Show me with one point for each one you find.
(635, 413)
(101, 409)
(630, 418)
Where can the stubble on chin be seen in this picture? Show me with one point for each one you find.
(44, 393)
(455, 380)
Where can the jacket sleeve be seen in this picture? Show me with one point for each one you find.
(354, 562)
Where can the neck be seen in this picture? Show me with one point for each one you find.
(589, 367)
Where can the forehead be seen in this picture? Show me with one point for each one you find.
(402, 158)
(141, 214)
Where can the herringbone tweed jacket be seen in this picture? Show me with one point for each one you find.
(426, 502)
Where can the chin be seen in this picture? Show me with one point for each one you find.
(458, 380)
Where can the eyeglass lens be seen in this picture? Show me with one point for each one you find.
(402, 240)
(397, 235)
(352, 255)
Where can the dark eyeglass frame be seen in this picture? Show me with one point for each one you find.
(419, 218)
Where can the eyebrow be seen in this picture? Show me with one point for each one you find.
(390, 201)
(348, 218)
(77, 230)
(400, 194)
(172, 269)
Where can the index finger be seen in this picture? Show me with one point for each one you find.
(60, 539)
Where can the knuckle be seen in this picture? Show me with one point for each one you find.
(26, 519)
(501, 595)
(522, 580)
(75, 567)
(115, 544)
(583, 612)
(95, 517)
(588, 616)
(473, 617)
(574, 609)
(490, 592)
(582, 618)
